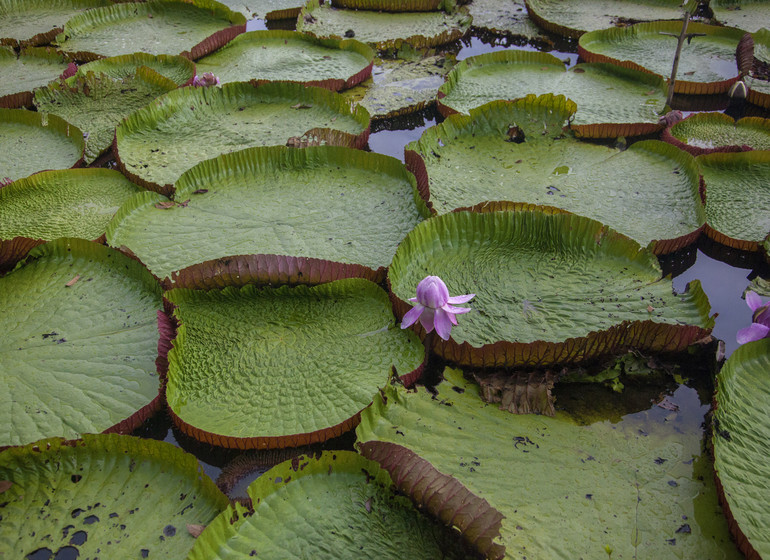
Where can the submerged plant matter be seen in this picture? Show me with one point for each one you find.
(433, 307)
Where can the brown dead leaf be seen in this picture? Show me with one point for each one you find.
(201, 191)
(5, 485)
(183, 204)
(72, 282)
(195, 530)
(301, 106)
(165, 205)
(650, 309)
(368, 505)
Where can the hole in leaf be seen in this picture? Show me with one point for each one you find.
(67, 553)
(79, 538)
(39, 554)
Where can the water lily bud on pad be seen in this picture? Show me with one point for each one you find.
(206, 79)
(105, 496)
(282, 367)
(433, 309)
(550, 288)
(333, 506)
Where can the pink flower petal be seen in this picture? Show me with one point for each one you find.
(411, 316)
(452, 318)
(461, 299)
(456, 310)
(752, 300)
(443, 324)
(426, 319)
(755, 331)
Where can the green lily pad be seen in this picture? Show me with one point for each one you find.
(53, 204)
(650, 192)
(740, 446)
(550, 288)
(629, 104)
(333, 505)
(32, 68)
(268, 10)
(290, 56)
(762, 44)
(24, 135)
(565, 18)
(158, 143)
(737, 198)
(759, 91)
(37, 22)
(748, 15)
(96, 103)
(505, 18)
(245, 369)
(356, 207)
(384, 29)
(178, 69)
(707, 64)
(704, 133)
(80, 345)
(579, 491)
(251, 8)
(105, 496)
(151, 27)
(395, 5)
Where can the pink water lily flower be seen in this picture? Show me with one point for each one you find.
(760, 326)
(432, 307)
(206, 80)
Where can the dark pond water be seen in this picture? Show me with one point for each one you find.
(723, 273)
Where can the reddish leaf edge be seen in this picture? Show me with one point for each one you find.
(443, 496)
(239, 270)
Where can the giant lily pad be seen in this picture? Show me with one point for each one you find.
(707, 64)
(33, 67)
(384, 29)
(37, 22)
(355, 208)
(574, 491)
(629, 103)
(151, 27)
(291, 56)
(748, 15)
(80, 343)
(759, 91)
(282, 367)
(25, 135)
(550, 288)
(331, 506)
(650, 192)
(105, 496)
(96, 103)
(178, 69)
(505, 18)
(565, 18)
(53, 204)
(704, 133)
(158, 143)
(740, 445)
(737, 197)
